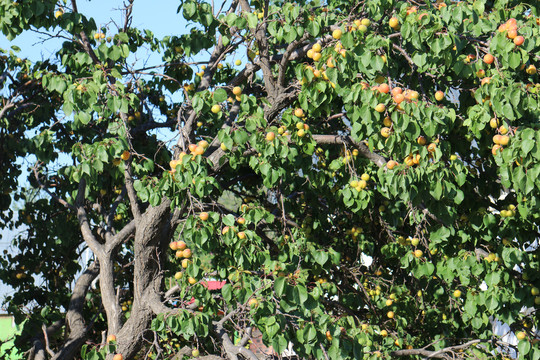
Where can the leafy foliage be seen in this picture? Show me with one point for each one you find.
(362, 182)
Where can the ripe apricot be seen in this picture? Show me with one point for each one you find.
(511, 34)
(396, 90)
(488, 59)
(203, 216)
(496, 149)
(384, 88)
(398, 98)
(270, 136)
(199, 150)
(391, 164)
(380, 108)
(393, 23)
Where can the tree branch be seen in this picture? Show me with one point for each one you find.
(443, 353)
(132, 195)
(84, 39)
(231, 350)
(285, 58)
(86, 231)
(51, 194)
(217, 54)
(259, 33)
(379, 160)
(121, 236)
(74, 318)
(152, 235)
(37, 350)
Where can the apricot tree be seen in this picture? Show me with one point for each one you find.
(360, 178)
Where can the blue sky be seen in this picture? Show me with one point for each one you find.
(159, 16)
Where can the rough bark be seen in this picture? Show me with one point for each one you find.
(152, 234)
(74, 318)
(38, 349)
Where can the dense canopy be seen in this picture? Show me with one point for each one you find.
(350, 179)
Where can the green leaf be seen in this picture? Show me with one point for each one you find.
(252, 20)
(347, 40)
(84, 118)
(321, 257)
(492, 303)
(420, 59)
(424, 269)
(527, 142)
(514, 60)
(190, 9)
(313, 28)
(279, 285)
(280, 344)
(492, 279)
(226, 291)
(230, 19)
(301, 294)
(228, 220)
(524, 346)
(220, 95)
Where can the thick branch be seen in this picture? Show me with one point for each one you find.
(231, 350)
(264, 55)
(86, 231)
(379, 160)
(121, 236)
(217, 54)
(84, 39)
(152, 234)
(442, 353)
(51, 194)
(74, 318)
(108, 294)
(132, 195)
(38, 351)
(286, 56)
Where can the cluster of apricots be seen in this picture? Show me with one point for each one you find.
(355, 231)
(510, 211)
(194, 149)
(511, 29)
(501, 139)
(399, 96)
(182, 251)
(126, 305)
(301, 127)
(360, 184)
(414, 159)
(315, 52)
(241, 221)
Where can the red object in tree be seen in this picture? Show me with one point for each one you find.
(213, 284)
